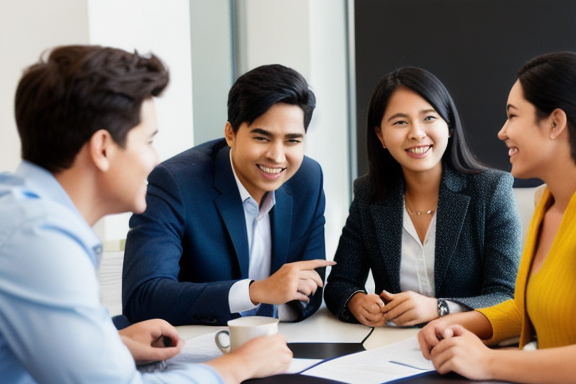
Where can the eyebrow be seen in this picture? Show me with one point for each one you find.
(400, 114)
(508, 106)
(264, 132)
(397, 115)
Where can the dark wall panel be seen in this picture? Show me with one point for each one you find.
(473, 46)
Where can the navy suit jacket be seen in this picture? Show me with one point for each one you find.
(478, 242)
(190, 246)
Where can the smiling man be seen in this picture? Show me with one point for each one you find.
(235, 226)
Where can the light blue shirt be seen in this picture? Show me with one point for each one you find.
(53, 328)
(260, 250)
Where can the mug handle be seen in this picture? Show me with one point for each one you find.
(223, 348)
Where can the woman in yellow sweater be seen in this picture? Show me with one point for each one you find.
(540, 133)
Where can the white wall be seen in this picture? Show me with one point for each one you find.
(27, 28)
(212, 66)
(161, 27)
(328, 136)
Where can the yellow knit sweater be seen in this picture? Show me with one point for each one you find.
(544, 304)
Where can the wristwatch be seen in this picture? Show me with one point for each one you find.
(443, 309)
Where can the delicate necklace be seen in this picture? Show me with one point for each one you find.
(418, 213)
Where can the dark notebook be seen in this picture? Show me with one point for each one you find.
(323, 350)
(434, 377)
(291, 379)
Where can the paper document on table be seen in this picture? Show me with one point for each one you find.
(198, 350)
(375, 366)
(203, 348)
(299, 365)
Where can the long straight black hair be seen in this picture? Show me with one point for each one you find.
(384, 171)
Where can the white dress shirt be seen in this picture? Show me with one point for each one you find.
(260, 251)
(260, 248)
(417, 261)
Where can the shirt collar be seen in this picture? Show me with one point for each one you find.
(269, 198)
(42, 183)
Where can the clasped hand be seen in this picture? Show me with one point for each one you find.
(403, 309)
(452, 348)
(293, 281)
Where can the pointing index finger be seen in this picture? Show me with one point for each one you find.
(313, 264)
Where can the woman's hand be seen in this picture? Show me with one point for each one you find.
(367, 309)
(408, 308)
(460, 351)
(431, 334)
(145, 340)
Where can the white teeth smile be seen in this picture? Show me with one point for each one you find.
(512, 151)
(419, 150)
(271, 170)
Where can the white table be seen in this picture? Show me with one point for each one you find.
(322, 327)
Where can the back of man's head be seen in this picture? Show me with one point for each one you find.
(259, 89)
(63, 100)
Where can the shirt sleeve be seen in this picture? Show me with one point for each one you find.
(178, 372)
(505, 319)
(52, 322)
(455, 307)
(239, 296)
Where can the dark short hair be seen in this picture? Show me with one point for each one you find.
(63, 100)
(549, 82)
(259, 89)
(384, 170)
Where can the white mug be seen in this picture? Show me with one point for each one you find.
(242, 329)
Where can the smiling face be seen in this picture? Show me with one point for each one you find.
(131, 165)
(413, 132)
(268, 152)
(524, 136)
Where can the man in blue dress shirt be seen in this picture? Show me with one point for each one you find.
(86, 121)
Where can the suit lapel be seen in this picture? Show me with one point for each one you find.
(281, 221)
(452, 210)
(231, 210)
(388, 225)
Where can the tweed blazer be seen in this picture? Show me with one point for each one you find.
(191, 245)
(478, 242)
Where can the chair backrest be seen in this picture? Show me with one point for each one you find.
(526, 198)
(110, 276)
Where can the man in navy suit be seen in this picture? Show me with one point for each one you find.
(235, 226)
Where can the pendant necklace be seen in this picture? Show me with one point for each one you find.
(418, 213)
